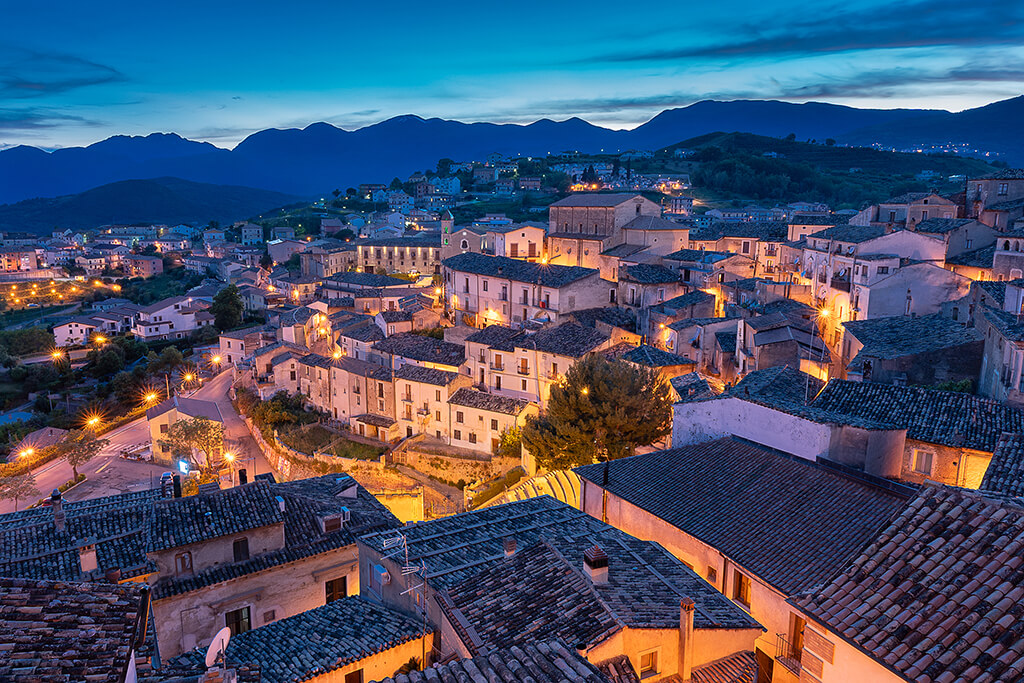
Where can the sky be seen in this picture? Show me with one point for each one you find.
(72, 73)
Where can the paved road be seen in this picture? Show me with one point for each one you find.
(108, 474)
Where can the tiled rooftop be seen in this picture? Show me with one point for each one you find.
(940, 226)
(319, 641)
(516, 270)
(53, 631)
(422, 348)
(684, 300)
(1005, 473)
(567, 339)
(648, 274)
(481, 400)
(906, 335)
(368, 279)
(698, 255)
(937, 594)
(942, 417)
(645, 585)
(614, 316)
(364, 333)
(541, 662)
(417, 373)
(496, 336)
(652, 356)
(125, 526)
(791, 522)
(605, 200)
(768, 231)
(853, 234)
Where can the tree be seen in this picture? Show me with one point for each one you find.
(18, 486)
(227, 308)
(169, 359)
(266, 262)
(107, 360)
(184, 437)
(126, 388)
(336, 193)
(351, 192)
(602, 410)
(396, 184)
(830, 142)
(81, 446)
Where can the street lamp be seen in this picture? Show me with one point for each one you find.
(99, 339)
(27, 452)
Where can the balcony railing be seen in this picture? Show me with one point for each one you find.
(523, 371)
(498, 367)
(786, 654)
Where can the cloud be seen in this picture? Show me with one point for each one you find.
(926, 23)
(26, 74)
(27, 119)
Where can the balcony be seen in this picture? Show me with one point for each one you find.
(841, 285)
(407, 398)
(423, 411)
(497, 367)
(523, 371)
(787, 655)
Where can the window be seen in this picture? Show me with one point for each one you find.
(922, 461)
(238, 621)
(336, 589)
(648, 663)
(883, 270)
(741, 589)
(183, 563)
(1003, 188)
(457, 434)
(712, 575)
(485, 285)
(524, 385)
(354, 677)
(459, 416)
(241, 549)
(472, 437)
(494, 425)
(164, 428)
(746, 247)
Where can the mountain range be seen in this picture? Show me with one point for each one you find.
(155, 200)
(316, 159)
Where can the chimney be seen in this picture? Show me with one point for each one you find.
(176, 482)
(87, 558)
(595, 566)
(166, 485)
(510, 546)
(57, 503)
(113, 575)
(243, 477)
(686, 608)
(280, 503)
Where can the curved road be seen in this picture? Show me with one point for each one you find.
(108, 474)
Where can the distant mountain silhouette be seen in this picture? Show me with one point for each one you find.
(158, 200)
(314, 160)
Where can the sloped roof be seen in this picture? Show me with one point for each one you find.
(854, 234)
(516, 270)
(940, 226)
(320, 640)
(652, 356)
(654, 223)
(418, 373)
(942, 417)
(648, 274)
(567, 339)
(494, 403)
(736, 497)
(59, 631)
(539, 662)
(193, 407)
(906, 335)
(936, 595)
(596, 200)
(1005, 473)
(422, 348)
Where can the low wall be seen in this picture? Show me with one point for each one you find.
(453, 468)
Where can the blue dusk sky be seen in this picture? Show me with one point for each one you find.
(72, 73)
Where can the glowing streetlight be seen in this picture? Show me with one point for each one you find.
(188, 377)
(337, 354)
(437, 291)
(229, 457)
(93, 421)
(27, 452)
(56, 355)
(215, 360)
(824, 313)
(99, 339)
(584, 391)
(151, 396)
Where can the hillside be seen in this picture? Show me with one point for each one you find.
(727, 167)
(160, 200)
(321, 157)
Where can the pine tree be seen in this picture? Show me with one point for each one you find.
(602, 410)
(227, 308)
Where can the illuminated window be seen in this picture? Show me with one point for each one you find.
(648, 663)
(741, 589)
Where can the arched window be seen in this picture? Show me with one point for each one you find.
(1006, 245)
(465, 244)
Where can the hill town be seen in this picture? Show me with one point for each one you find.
(739, 409)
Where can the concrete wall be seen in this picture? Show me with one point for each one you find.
(192, 619)
(702, 421)
(381, 665)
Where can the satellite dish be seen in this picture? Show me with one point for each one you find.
(218, 647)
